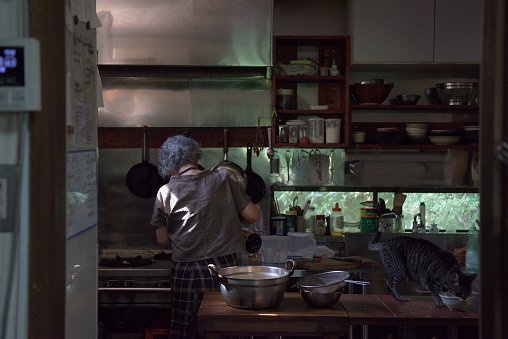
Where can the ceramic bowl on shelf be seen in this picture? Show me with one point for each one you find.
(444, 139)
(365, 94)
(407, 99)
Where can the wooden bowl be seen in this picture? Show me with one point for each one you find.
(365, 94)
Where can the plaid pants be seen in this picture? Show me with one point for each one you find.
(189, 281)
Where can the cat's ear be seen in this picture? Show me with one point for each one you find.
(455, 279)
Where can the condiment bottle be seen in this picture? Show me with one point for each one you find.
(337, 221)
(310, 220)
(320, 228)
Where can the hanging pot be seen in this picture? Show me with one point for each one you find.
(143, 179)
(230, 168)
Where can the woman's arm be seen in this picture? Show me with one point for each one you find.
(250, 214)
(162, 236)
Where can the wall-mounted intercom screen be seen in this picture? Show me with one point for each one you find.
(12, 71)
(20, 86)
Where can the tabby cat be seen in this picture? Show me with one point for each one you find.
(424, 263)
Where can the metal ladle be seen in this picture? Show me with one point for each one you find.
(270, 152)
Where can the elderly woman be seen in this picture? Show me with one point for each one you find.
(198, 213)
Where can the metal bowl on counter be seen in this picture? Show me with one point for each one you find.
(253, 287)
(316, 299)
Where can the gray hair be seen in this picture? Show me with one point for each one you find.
(177, 151)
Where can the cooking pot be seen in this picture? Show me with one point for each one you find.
(252, 287)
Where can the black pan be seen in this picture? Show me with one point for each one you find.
(256, 187)
(143, 179)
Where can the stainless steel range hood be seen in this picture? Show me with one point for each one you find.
(185, 32)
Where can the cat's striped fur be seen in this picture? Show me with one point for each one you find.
(424, 263)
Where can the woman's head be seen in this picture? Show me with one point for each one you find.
(177, 151)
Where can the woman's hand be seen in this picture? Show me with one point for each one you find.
(162, 236)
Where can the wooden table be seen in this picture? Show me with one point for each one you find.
(292, 317)
(369, 309)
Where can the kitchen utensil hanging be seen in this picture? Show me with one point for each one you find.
(256, 187)
(143, 179)
(230, 168)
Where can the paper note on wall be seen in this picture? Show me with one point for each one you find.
(81, 191)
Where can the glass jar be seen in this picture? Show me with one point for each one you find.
(303, 134)
(317, 130)
(332, 130)
(310, 220)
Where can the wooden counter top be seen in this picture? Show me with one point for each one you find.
(373, 309)
(291, 317)
(294, 317)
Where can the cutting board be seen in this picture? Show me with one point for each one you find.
(337, 263)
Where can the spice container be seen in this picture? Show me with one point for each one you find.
(368, 220)
(284, 98)
(332, 130)
(320, 228)
(317, 130)
(310, 220)
(303, 134)
(294, 130)
(278, 225)
(282, 136)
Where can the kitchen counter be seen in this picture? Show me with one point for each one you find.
(293, 317)
(366, 310)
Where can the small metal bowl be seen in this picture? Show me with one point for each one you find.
(407, 99)
(316, 299)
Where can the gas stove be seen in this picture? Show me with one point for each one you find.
(133, 278)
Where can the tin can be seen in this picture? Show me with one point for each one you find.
(368, 220)
(291, 220)
(278, 225)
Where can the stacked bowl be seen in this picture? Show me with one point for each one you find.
(417, 132)
(471, 133)
(444, 136)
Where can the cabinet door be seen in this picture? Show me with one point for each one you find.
(393, 31)
(458, 31)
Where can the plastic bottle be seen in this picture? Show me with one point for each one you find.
(472, 259)
(422, 215)
(337, 221)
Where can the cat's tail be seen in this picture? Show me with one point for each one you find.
(374, 244)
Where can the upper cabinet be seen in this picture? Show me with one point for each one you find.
(393, 31)
(413, 31)
(458, 31)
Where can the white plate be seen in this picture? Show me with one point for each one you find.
(444, 139)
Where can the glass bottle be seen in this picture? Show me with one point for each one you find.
(310, 220)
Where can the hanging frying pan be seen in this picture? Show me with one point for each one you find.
(230, 168)
(143, 179)
(256, 187)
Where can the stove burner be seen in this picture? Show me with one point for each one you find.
(162, 256)
(119, 261)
